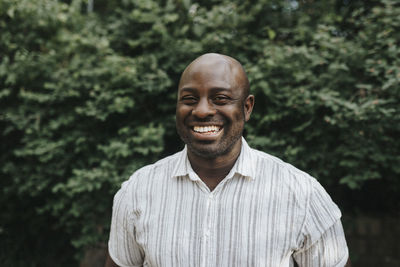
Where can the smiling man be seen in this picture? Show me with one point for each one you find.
(219, 202)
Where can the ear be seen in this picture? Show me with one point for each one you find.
(248, 106)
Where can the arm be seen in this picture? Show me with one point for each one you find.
(321, 241)
(329, 250)
(122, 243)
(348, 264)
(110, 262)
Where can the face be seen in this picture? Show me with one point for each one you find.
(211, 109)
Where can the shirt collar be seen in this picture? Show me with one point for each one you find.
(243, 166)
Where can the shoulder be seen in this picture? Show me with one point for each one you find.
(285, 177)
(160, 170)
(285, 172)
(317, 209)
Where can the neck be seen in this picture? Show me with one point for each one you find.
(213, 170)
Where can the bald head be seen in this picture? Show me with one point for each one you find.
(218, 63)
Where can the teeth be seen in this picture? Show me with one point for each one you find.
(205, 129)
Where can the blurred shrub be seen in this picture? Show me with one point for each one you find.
(88, 98)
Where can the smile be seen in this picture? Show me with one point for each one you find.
(207, 129)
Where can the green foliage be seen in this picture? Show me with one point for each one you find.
(86, 99)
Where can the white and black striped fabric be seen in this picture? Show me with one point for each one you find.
(264, 213)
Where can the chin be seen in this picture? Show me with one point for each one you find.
(204, 152)
(210, 151)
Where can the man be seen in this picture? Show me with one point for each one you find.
(219, 202)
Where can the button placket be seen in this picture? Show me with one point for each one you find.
(207, 249)
(210, 209)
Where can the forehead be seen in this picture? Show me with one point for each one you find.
(208, 74)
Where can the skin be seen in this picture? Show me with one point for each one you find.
(110, 262)
(213, 90)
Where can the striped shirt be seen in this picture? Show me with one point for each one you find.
(264, 213)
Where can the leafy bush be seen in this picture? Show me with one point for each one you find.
(86, 99)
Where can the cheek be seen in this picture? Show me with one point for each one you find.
(182, 112)
(234, 113)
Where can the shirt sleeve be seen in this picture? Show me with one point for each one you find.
(122, 246)
(329, 251)
(322, 241)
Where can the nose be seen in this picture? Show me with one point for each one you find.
(203, 109)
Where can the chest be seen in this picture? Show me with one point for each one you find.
(241, 224)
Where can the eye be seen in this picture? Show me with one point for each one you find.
(188, 99)
(221, 99)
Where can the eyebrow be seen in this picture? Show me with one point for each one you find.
(187, 89)
(214, 90)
